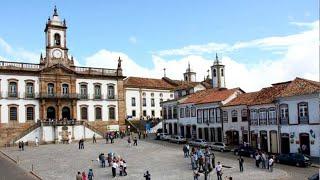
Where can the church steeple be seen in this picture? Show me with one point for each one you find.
(189, 75)
(218, 74)
(56, 41)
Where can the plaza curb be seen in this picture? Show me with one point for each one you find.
(15, 161)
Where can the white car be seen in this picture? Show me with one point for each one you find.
(219, 146)
(165, 137)
(178, 139)
(199, 143)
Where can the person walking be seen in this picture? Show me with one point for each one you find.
(258, 158)
(125, 168)
(107, 138)
(135, 141)
(82, 144)
(185, 151)
(22, 145)
(271, 164)
(240, 159)
(196, 175)
(90, 174)
(84, 176)
(78, 176)
(37, 142)
(129, 142)
(219, 171)
(114, 168)
(94, 139)
(147, 175)
(79, 143)
(103, 160)
(19, 145)
(263, 160)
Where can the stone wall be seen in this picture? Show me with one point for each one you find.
(9, 131)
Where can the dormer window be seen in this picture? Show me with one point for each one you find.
(57, 39)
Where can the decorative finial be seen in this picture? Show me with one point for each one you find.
(217, 59)
(55, 13)
(64, 22)
(164, 72)
(208, 71)
(41, 57)
(119, 63)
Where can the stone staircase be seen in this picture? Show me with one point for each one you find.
(11, 132)
(99, 128)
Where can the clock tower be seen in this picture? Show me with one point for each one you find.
(56, 42)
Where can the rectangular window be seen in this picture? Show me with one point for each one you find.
(83, 91)
(187, 112)
(182, 113)
(97, 92)
(272, 116)
(165, 113)
(30, 113)
(133, 101)
(144, 102)
(144, 113)
(133, 113)
(169, 112)
(152, 113)
(218, 111)
(303, 113)
(262, 117)
(175, 113)
(225, 116)
(211, 115)
(13, 114)
(205, 116)
(244, 115)
(111, 92)
(152, 102)
(193, 112)
(199, 116)
(234, 116)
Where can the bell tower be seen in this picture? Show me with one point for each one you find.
(189, 75)
(218, 74)
(56, 41)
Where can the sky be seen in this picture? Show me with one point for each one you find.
(260, 42)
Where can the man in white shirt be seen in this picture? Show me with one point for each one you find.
(219, 171)
(114, 168)
(271, 164)
(37, 141)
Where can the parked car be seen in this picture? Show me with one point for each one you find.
(199, 143)
(245, 151)
(165, 137)
(295, 159)
(178, 139)
(314, 177)
(219, 146)
(159, 132)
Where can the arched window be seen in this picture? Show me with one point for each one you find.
(29, 90)
(152, 94)
(214, 72)
(13, 89)
(222, 72)
(83, 91)
(84, 113)
(57, 39)
(98, 113)
(65, 89)
(112, 113)
(234, 115)
(110, 91)
(97, 91)
(50, 89)
(30, 113)
(13, 113)
(161, 95)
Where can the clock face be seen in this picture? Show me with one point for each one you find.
(57, 53)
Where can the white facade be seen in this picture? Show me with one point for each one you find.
(297, 130)
(91, 103)
(138, 95)
(21, 102)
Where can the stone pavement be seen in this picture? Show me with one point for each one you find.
(164, 161)
(10, 171)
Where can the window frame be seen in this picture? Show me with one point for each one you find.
(81, 112)
(234, 115)
(27, 113)
(95, 112)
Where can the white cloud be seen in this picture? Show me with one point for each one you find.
(18, 54)
(299, 58)
(133, 40)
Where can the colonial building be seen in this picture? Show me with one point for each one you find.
(56, 89)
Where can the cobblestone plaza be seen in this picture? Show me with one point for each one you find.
(163, 160)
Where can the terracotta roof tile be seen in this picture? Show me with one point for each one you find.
(243, 99)
(300, 86)
(210, 96)
(148, 83)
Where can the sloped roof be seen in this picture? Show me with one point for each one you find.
(300, 86)
(243, 99)
(210, 95)
(148, 83)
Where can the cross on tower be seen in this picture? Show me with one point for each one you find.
(164, 72)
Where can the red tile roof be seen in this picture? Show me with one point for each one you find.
(243, 99)
(210, 96)
(300, 86)
(148, 83)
